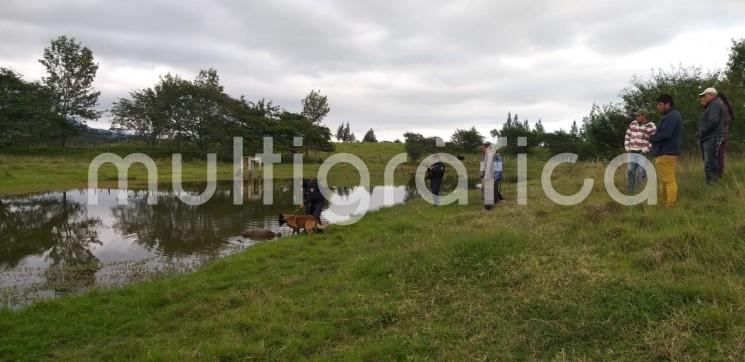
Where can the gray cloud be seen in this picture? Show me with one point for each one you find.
(390, 65)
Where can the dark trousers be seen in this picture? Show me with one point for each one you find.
(710, 151)
(314, 208)
(434, 184)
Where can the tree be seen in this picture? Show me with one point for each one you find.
(340, 133)
(512, 130)
(204, 111)
(315, 107)
(314, 136)
(562, 142)
(605, 128)
(26, 110)
(370, 137)
(736, 65)
(494, 133)
(539, 128)
(736, 91)
(351, 138)
(264, 108)
(414, 145)
(71, 71)
(155, 113)
(344, 133)
(574, 131)
(467, 140)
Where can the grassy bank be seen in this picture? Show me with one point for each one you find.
(596, 281)
(43, 170)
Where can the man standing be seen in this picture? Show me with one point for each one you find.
(666, 148)
(490, 172)
(711, 132)
(637, 146)
(435, 173)
(313, 199)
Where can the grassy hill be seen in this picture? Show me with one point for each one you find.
(597, 281)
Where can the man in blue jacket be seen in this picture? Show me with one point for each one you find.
(666, 148)
(711, 132)
(313, 200)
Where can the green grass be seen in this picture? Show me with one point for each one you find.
(44, 169)
(597, 281)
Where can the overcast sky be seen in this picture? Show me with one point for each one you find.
(395, 66)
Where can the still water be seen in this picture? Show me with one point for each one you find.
(55, 243)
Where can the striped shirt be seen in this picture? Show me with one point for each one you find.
(638, 135)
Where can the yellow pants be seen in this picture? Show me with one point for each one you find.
(666, 175)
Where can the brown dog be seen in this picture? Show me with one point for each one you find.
(297, 222)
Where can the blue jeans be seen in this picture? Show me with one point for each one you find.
(635, 172)
(710, 151)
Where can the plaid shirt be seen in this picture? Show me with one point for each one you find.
(638, 135)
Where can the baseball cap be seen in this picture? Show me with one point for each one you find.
(709, 90)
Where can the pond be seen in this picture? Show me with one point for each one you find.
(54, 243)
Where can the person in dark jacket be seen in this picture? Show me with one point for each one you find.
(313, 200)
(711, 132)
(435, 173)
(666, 148)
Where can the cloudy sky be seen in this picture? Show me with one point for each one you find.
(395, 66)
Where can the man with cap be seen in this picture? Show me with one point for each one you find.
(637, 146)
(711, 132)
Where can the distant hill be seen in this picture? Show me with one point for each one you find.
(96, 135)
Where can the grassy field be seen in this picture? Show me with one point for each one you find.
(44, 170)
(597, 281)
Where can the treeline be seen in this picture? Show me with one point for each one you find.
(199, 113)
(601, 132)
(176, 113)
(538, 141)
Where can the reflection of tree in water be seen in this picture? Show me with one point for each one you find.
(174, 228)
(343, 191)
(25, 227)
(346, 191)
(55, 225)
(31, 226)
(73, 266)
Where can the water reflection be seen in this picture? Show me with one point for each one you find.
(54, 243)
